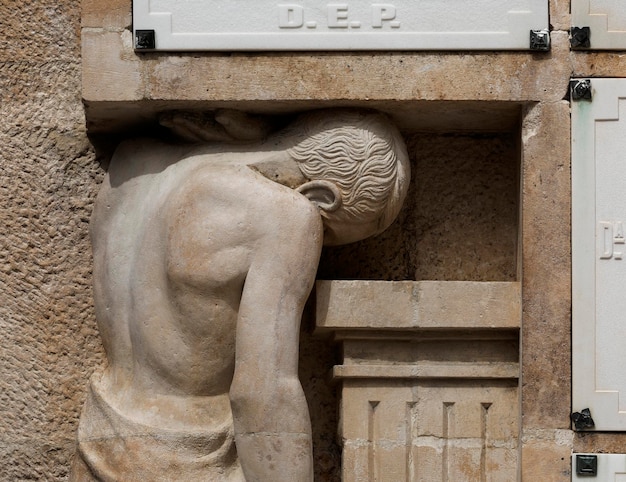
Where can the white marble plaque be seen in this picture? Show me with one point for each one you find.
(610, 467)
(599, 254)
(257, 25)
(606, 20)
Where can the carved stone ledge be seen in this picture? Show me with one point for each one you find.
(429, 370)
(417, 305)
(429, 378)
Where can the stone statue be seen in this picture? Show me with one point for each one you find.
(204, 256)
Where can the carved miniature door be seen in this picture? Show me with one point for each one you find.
(598, 24)
(599, 251)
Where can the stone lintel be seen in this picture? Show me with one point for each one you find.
(289, 81)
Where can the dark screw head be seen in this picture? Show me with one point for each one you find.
(586, 465)
(145, 40)
(580, 37)
(580, 89)
(582, 419)
(540, 40)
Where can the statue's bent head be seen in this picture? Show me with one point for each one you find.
(361, 153)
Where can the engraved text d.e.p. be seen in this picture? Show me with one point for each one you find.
(338, 15)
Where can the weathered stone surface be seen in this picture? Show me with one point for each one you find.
(295, 76)
(559, 15)
(598, 64)
(589, 442)
(424, 397)
(110, 61)
(546, 454)
(417, 305)
(40, 32)
(429, 431)
(48, 178)
(107, 14)
(546, 267)
(283, 81)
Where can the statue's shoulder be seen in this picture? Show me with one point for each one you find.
(144, 156)
(142, 147)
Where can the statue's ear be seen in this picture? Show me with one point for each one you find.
(324, 194)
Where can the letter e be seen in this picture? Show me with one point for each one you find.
(338, 15)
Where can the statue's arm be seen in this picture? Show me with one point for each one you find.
(224, 125)
(271, 418)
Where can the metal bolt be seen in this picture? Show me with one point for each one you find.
(580, 37)
(586, 465)
(145, 40)
(582, 419)
(580, 89)
(540, 40)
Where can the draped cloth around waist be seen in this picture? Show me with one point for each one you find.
(112, 447)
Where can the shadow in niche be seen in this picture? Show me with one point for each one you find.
(317, 357)
(106, 144)
(156, 146)
(459, 221)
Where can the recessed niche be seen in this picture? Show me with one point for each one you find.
(460, 220)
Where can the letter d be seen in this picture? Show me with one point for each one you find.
(290, 16)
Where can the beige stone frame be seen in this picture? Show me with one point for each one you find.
(121, 88)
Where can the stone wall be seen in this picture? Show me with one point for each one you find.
(48, 178)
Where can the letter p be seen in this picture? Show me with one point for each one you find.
(380, 12)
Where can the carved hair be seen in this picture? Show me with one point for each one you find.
(363, 154)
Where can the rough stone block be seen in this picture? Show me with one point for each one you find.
(110, 70)
(546, 264)
(421, 304)
(546, 455)
(106, 14)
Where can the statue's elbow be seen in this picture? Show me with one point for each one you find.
(246, 398)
